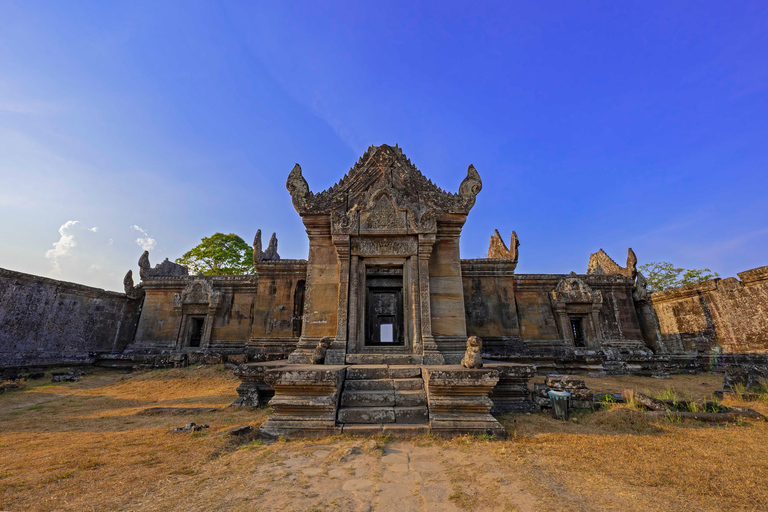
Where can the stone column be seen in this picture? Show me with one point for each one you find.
(338, 351)
(431, 353)
(354, 292)
(413, 270)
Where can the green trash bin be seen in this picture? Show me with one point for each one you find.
(559, 401)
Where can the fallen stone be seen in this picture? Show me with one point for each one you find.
(751, 377)
(8, 386)
(64, 377)
(189, 427)
(630, 395)
(565, 382)
(238, 431)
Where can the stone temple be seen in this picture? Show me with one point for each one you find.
(367, 334)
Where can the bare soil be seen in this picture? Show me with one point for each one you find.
(84, 446)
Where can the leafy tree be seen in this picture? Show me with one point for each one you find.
(662, 275)
(220, 254)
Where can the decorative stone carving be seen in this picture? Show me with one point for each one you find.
(345, 223)
(497, 249)
(383, 167)
(472, 357)
(133, 292)
(383, 217)
(199, 291)
(640, 291)
(270, 254)
(318, 356)
(385, 246)
(573, 289)
(470, 187)
(299, 189)
(165, 269)
(601, 263)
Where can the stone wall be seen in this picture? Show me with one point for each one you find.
(729, 316)
(247, 314)
(44, 321)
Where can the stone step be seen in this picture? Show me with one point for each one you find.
(369, 359)
(369, 398)
(411, 415)
(410, 398)
(369, 384)
(393, 429)
(368, 372)
(404, 371)
(369, 415)
(408, 384)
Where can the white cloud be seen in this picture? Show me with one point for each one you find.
(145, 241)
(82, 254)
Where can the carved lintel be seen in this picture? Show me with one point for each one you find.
(573, 289)
(385, 246)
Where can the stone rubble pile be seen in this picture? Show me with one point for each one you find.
(581, 396)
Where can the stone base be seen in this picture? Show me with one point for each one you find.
(512, 393)
(254, 391)
(306, 400)
(458, 400)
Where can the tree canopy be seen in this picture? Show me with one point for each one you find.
(220, 254)
(662, 275)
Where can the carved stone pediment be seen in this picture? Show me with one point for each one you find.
(572, 289)
(198, 292)
(384, 217)
(383, 167)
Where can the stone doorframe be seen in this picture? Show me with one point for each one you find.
(358, 253)
(573, 298)
(197, 299)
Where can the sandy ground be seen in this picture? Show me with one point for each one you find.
(87, 446)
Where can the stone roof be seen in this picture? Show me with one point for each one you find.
(383, 167)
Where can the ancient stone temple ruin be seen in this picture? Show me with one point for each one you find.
(367, 334)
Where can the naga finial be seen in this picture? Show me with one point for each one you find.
(299, 189)
(470, 187)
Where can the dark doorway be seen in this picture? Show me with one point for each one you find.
(196, 326)
(578, 332)
(384, 308)
(298, 307)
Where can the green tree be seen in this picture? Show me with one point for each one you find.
(662, 275)
(220, 254)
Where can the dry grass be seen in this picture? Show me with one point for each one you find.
(81, 446)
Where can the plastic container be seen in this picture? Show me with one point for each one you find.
(559, 401)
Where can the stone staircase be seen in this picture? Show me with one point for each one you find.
(384, 399)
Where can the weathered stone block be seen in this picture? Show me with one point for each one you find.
(371, 398)
(368, 372)
(565, 382)
(411, 415)
(410, 398)
(408, 384)
(367, 415)
(404, 372)
(368, 385)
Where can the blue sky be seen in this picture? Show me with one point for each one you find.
(592, 124)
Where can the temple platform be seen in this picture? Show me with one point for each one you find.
(375, 399)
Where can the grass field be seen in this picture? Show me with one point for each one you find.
(86, 446)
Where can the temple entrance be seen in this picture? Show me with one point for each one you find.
(384, 307)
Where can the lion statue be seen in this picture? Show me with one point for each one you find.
(318, 356)
(472, 357)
